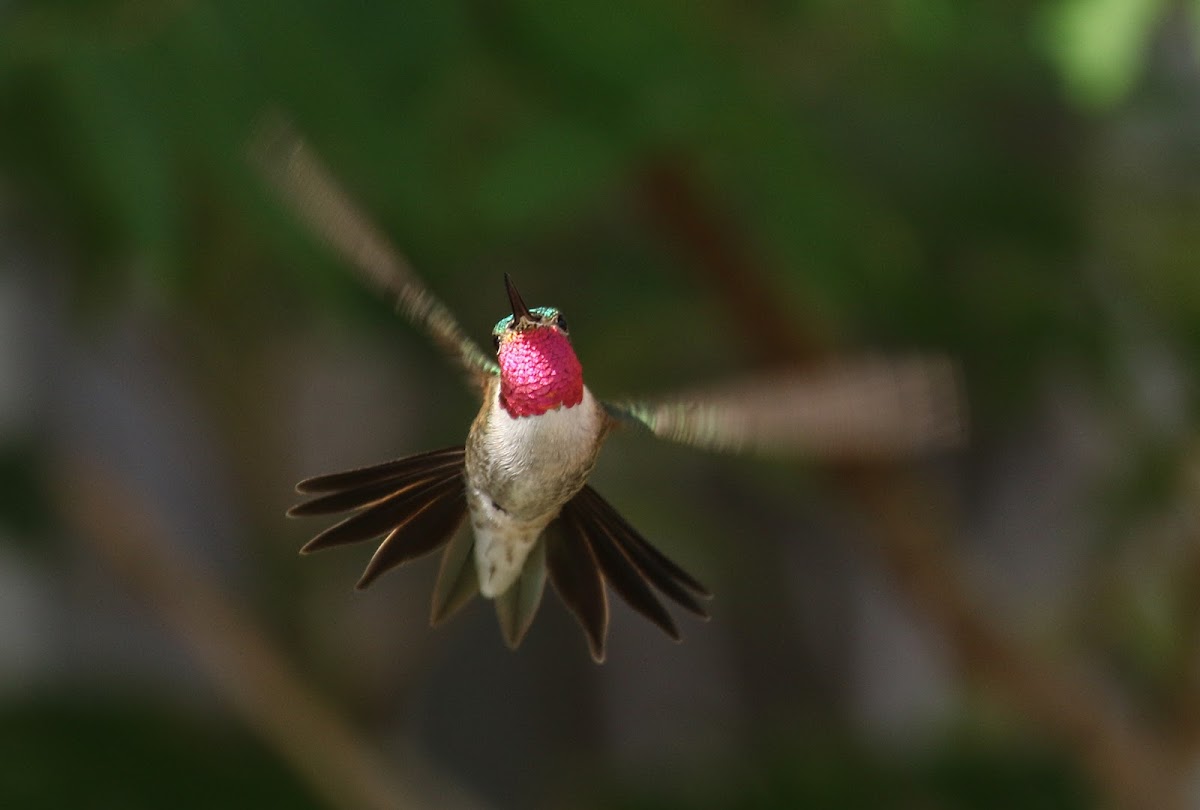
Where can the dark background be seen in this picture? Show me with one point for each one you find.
(707, 189)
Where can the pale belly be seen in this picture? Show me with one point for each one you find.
(520, 472)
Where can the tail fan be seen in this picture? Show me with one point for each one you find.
(590, 544)
(418, 502)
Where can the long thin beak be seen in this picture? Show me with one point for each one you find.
(519, 309)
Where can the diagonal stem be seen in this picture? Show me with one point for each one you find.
(237, 654)
(1124, 759)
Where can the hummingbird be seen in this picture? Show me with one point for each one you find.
(521, 479)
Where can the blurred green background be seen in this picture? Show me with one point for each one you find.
(1015, 184)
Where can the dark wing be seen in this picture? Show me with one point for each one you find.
(867, 409)
(304, 184)
(419, 502)
(590, 544)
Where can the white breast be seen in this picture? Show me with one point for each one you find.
(533, 464)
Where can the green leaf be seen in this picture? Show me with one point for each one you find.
(1099, 46)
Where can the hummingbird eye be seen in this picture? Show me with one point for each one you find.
(561, 323)
(496, 341)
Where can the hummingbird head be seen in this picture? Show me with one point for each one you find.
(538, 368)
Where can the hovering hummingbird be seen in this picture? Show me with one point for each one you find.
(521, 478)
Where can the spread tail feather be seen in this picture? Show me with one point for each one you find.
(456, 581)
(418, 501)
(516, 607)
(590, 544)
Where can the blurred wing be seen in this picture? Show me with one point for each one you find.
(868, 409)
(292, 168)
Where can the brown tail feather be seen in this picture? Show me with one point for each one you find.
(386, 514)
(516, 607)
(590, 544)
(351, 479)
(456, 582)
(575, 575)
(426, 530)
(367, 494)
(419, 501)
(671, 580)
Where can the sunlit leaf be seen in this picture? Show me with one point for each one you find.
(1100, 45)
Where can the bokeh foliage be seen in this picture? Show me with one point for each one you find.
(1005, 181)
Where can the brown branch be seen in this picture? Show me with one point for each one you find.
(722, 259)
(1185, 697)
(910, 533)
(235, 653)
(1182, 558)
